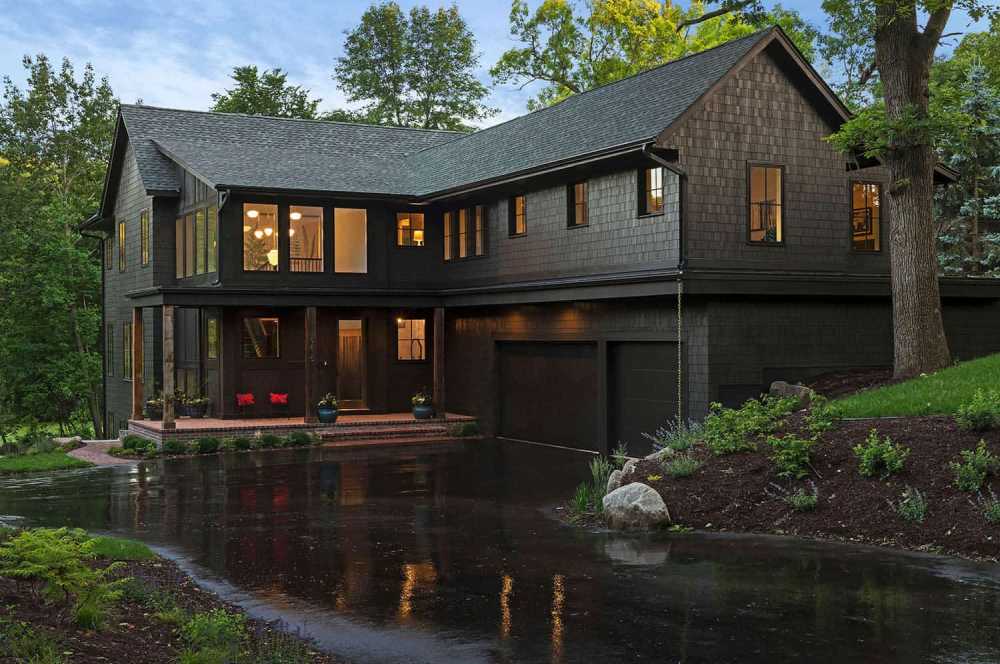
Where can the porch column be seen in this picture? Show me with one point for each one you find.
(137, 360)
(439, 394)
(311, 367)
(168, 367)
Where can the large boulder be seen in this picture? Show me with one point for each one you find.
(781, 389)
(614, 481)
(635, 505)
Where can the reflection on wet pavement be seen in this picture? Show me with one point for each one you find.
(449, 553)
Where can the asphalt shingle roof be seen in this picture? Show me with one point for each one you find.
(262, 152)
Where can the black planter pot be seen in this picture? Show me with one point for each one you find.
(326, 415)
(154, 412)
(195, 410)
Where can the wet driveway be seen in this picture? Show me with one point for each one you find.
(448, 554)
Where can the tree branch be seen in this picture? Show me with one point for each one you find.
(935, 27)
(721, 11)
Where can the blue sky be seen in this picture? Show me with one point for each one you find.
(177, 52)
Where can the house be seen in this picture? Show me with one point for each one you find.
(574, 276)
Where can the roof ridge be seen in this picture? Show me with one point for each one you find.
(309, 120)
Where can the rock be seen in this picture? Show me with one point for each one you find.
(629, 467)
(635, 505)
(780, 388)
(67, 440)
(660, 455)
(614, 481)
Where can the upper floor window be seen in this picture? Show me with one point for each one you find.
(144, 232)
(121, 246)
(518, 222)
(409, 229)
(447, 220)
(766, 197)
(109, 252)
(463, 233)
(260, 339)
(213, 238)
(200, 242)
(305, 238)
(260, 237)
(651, 190)
(350, 240)
(480, 213)
(196, 242)
(578, 212)
(866, 216)
(411, 339)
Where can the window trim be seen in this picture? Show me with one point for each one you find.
(641, 192)
(512, 215)
(410, 213)
(286, 229)
(277, 242)
(748, 202)
(404, 316)
(571, 204)
(881, 218)
(277, 344)
(145, 233)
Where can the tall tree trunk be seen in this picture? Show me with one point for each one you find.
(94, 401)
(903, 56)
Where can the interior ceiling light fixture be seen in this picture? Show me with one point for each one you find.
(252, 214)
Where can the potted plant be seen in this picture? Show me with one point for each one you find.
(423, 405)
(196, 406)
(245, 403)
(327, 409)
(154, 408)
(279, 403)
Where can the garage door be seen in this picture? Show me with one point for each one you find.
(642, 391)
(548, 393)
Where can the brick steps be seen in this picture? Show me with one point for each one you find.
(409, 430)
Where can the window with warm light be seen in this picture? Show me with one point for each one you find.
(260, 237)
(577, 205)
(411, 340)
(866, 216)
(350, 240)
(127, 351)
(213, 238)
(212, 338)
(259, 339)
(144, 232)
(189, 244)
(121, 246)
(480, 231)
(765, 212)
(517, 217)
(305, 238)
(200, 242)
(651, 190)
(463, 233)
(447, 221)
(409, 229)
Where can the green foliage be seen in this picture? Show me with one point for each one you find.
(34, 463)
(299, 439)
(989, 506)
(463, 429)
(174, 446)
(880, 456)
(803, 501)
(820, 417)
(975, 465)
(215, 636)
(116, 548)
(242, 443)
(682, 465)
(912, 505)
(265, 93)
(589, 496)
(620, 455)
(23, 643)
(729, 430)
(413, 70)
(207, 445)
(676, 436)
(790, 454)
(131, 442)
(269, 440)
(982, 412)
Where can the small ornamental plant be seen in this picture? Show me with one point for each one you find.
(329, 400)
(971, 471)
(981, 413)
(421, 398)
(912, 505)
(880, 457)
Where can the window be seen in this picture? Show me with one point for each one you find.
(480, 231)
(189, 242)
(200, 242)
(463, 233)
(866, 216)
(179, 247)
(305, 238)
(121, 246)
(765, 204)
(212, 338)
(350, 240)
(516, 213)
(127, 351)
(109, 350)
(213, 238)
(578, 205)
(144, 237)
(651, 191)
(409, 229)
(411, 340)
(260, 237)
(448, 231)
(109, 252)
(260, 338)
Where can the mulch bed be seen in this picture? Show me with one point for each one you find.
(131, 633)
(841, 383)
(730, 492)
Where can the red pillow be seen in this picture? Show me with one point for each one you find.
(279, 398)
(245, 399)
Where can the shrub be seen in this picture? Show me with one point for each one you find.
(728, 430)
(207, 445)
(299, 439)
(42, 445)
(463, 429)
(989, 506)
(269, 440)
(216, 631)
(790, 454)
(802, 500)
(682, 465)
(820, 417)
(912, 506)
(589, 496)
(620, 455)
(676, 436)
(131, 442)
(880, 457)
(24, 643)
(172, 446)
(242, 443)
(981, 413)
(976, 464)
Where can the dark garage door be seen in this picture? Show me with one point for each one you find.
(548, 392)
(642, 386)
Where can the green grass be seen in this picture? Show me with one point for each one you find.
(114, 548)
(30, 463)
(939, 393)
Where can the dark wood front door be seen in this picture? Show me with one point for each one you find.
(351, 363)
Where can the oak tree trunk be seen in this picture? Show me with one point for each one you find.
(903, 57)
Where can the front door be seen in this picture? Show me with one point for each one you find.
(351, 363)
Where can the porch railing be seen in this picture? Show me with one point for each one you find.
(307, 264)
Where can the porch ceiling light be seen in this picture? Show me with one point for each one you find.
(252, 214)
(295, 216)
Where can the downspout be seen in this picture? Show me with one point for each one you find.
(223, 199)
(104, 334)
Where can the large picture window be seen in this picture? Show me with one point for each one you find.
(350, 240)
(260, 339)
(651, 190)
(410, 229)
(260, 237)
(144, 232)
(447, 221)
(411, 339)
(866, 216)
(578, 212)
(305, 238)
(765, 213)
(517, 216)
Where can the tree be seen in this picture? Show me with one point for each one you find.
(576, 46)
(265, 93)
(413, 70)
(55, 137)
